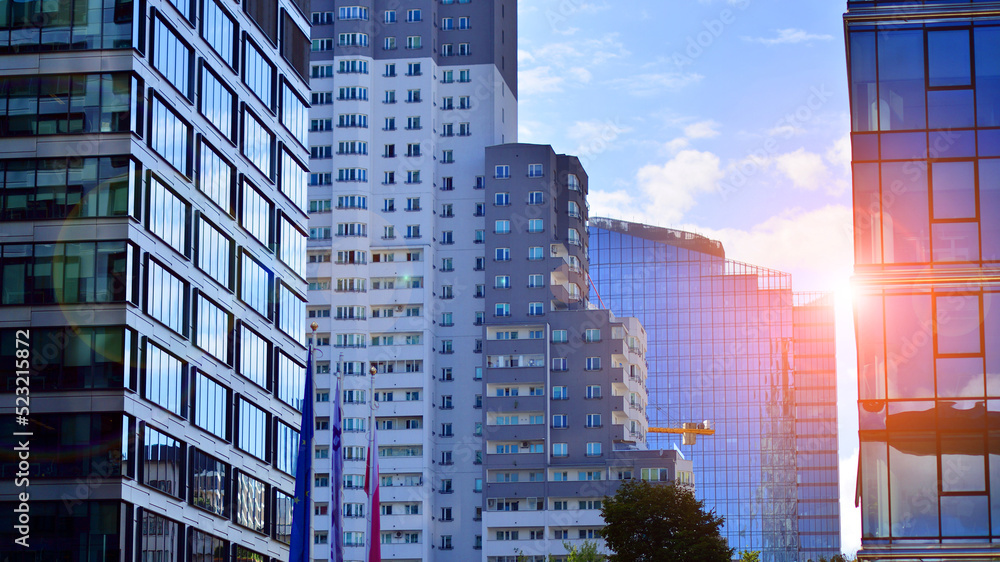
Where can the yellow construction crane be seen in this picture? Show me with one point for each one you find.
(689, 431)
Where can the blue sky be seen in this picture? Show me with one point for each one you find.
(724, 117)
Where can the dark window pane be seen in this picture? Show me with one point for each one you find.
(987, 44)
(209, 482)
(901, 80)
(948, 58)
(251, 500)
(162, 462)
(864, 99)
(158, 538)
(913, 478)
(953, 189)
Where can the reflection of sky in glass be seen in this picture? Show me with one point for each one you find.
(720, 349)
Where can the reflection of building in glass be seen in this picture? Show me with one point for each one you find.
(563, 390)
(724, 347)
(925, 106)
(152, 274)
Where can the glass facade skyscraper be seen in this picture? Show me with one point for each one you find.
(925, 106)
(152, 277)
(722, 347)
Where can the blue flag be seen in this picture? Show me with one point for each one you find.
(302, 509)
(337, 479)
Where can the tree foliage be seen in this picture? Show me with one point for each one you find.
(750, 556)
(647, 522)
(588, 552)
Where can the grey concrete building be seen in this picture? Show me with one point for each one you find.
(152, 277)
(564, 389)
(406, 97)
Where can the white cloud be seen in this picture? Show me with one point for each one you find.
(789, 36)
(644, 85)
(839, 155)
(581, 74)
(552, 67)
(786, 131)
(594, 136)
(806, 169)
(662, 193)
(701, 130)
(676, 145)
(816, 246)
(539, 80)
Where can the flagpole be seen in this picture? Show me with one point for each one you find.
(337, 468)
(373, 463)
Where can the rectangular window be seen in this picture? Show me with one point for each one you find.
(171, 56)
(163, 379)
(219, 31)
(162, 462)
(254, 357)
(291, 380)
(256, 284)
(413, 42)
(214, 253)
(258, 73)
(213, 327)
(215, 177)
(291, 313)
(166, 297)
(258, 142)
(294, 114)
(62, 188)
(251, 502)
(167, 215)
(209, 483)
(293, 180)
(287, 448)
(257, 214)
(169, 135)
(211, 406)
(252, 429)
(292, 246)
(217, 103)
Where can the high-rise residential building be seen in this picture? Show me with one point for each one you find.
(563, 395)
(406, 97)
(724, 346)
(925, 122)
(152, 277)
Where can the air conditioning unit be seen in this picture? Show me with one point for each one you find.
(524, 444)
(399, 534)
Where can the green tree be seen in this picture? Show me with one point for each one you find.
(586, 553)
(750, 556)
(647, 522)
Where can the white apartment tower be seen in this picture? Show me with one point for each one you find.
(406, 97)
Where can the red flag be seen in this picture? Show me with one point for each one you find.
(371, 488)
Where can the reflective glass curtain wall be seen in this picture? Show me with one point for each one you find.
(925, 99)
(721, 348)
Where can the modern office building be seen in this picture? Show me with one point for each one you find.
(406, 97)
(925, 106)
(564, 389)
(723, 346)
(152, 277)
